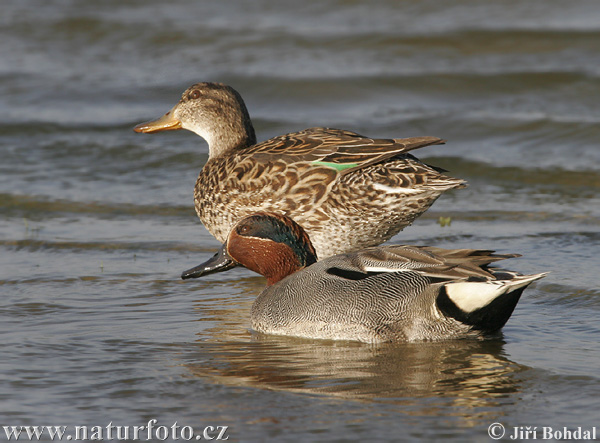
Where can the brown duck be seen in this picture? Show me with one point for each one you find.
(347, 190)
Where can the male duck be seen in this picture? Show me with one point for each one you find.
(348, 191)
(380, 294)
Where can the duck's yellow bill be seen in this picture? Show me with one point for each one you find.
(166, 123)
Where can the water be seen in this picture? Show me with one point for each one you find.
(97, 222)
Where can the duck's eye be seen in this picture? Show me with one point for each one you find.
(194, 94)
(244, 230)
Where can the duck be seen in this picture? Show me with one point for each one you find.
(392, 293)
(348, 191)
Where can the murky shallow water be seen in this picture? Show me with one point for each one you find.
(97, 222)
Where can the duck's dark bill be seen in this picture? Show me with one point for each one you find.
(221, 261)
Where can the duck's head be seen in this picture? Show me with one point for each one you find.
(214, 111)
(270, 244)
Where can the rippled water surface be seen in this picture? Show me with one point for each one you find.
(97, 222)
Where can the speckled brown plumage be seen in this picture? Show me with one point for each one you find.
(341, 210)
(347, 190)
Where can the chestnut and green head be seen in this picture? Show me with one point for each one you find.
(270, 244)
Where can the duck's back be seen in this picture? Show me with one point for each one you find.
(347, 191)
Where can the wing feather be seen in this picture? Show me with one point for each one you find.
(343, 150)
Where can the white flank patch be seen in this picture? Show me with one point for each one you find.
(470, 296)
(390, 190)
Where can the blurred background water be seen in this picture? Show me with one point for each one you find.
(96, 222)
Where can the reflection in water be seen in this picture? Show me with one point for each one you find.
(472, 376)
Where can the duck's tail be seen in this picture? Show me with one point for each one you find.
(485, 305)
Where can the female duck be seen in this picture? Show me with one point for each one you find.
(382, 294)
(348, 191)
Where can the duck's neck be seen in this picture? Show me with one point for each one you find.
(229, 136)
(226, 127)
